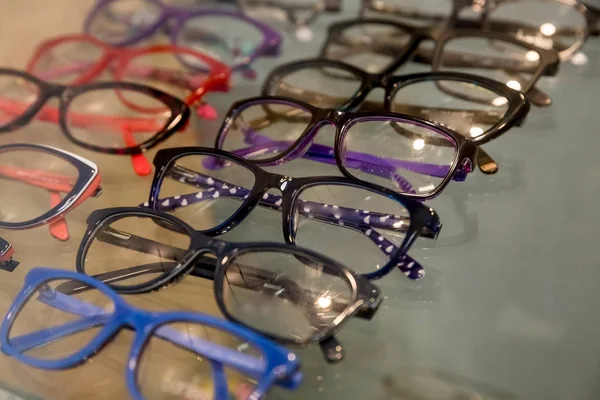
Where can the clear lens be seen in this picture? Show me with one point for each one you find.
(466, 108)
(546, 24)
(175, 72)
(286, 295)
(119, 21)
(399, 154)
(265, 130)
(213, 35)
(371, 47)
(327, 87)
(134, 250)
(17, 95)
(496, 59)
(68, 61)
(52, 325)
(414, 12)
(33, 183)
(328, 218)
(114, 118)
(175, 363)
(204, 191)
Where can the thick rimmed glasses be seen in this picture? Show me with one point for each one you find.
(407, 154)
(476, 107)
(109, 117)
(173, 354)
(288, 293)
(127, 22)
(184, 73)
(40, 184)
(215, 191)
(562, 25)
(382, 46)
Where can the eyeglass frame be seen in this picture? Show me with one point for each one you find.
(281, 364)
(466, 150)
(549, 60)
(322, 6)
(424, 221)
(180, 112)
(589, 13)
(217, 78)
(364, 303)
(515, 115)
(87, 185)
(270, 45)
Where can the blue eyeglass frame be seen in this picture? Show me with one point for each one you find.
(279, 365)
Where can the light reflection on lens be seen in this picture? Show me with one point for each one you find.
(548, 29)
(513, 85)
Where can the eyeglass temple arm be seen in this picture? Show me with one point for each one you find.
(380, 166)
(126, 126)
(6, 253)
(93, 316)
(357, 220)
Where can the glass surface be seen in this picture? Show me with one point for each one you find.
(40, 326)
(204, 191)
(122, 20)
(464, 107)
(399, 154)
(116, 118)
(213, 34)
(496, 59)
(68, 62)
(167, 370)
(329, 218)
(325, 87)
(129, 251)
(33, 183)
(16, 96)
(371, 47)
(285, 295)
(302, 10)
(265, 130)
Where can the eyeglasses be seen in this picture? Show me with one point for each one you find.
(49, 329)
(290, 294)
(563, 25)
(6, 252)
(476, 107)
(407, 154)
(383, 46)
(300, 14)
(123, 23)
(324, 214)
(109, 117)
(40, 184)
(181, 72)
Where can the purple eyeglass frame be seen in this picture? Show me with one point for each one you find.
(304, 146)
(270, 45)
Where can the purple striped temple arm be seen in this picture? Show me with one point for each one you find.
(363, 221)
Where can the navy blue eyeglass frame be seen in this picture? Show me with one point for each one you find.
(364, 302)
(278, 366)
(424, 221)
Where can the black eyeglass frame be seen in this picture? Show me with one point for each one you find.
(179, 116)
(548, 62)
(364, 302)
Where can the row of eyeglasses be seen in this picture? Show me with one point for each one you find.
(481, 65)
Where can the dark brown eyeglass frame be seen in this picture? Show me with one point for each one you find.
(548, 62)
(518, 106)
